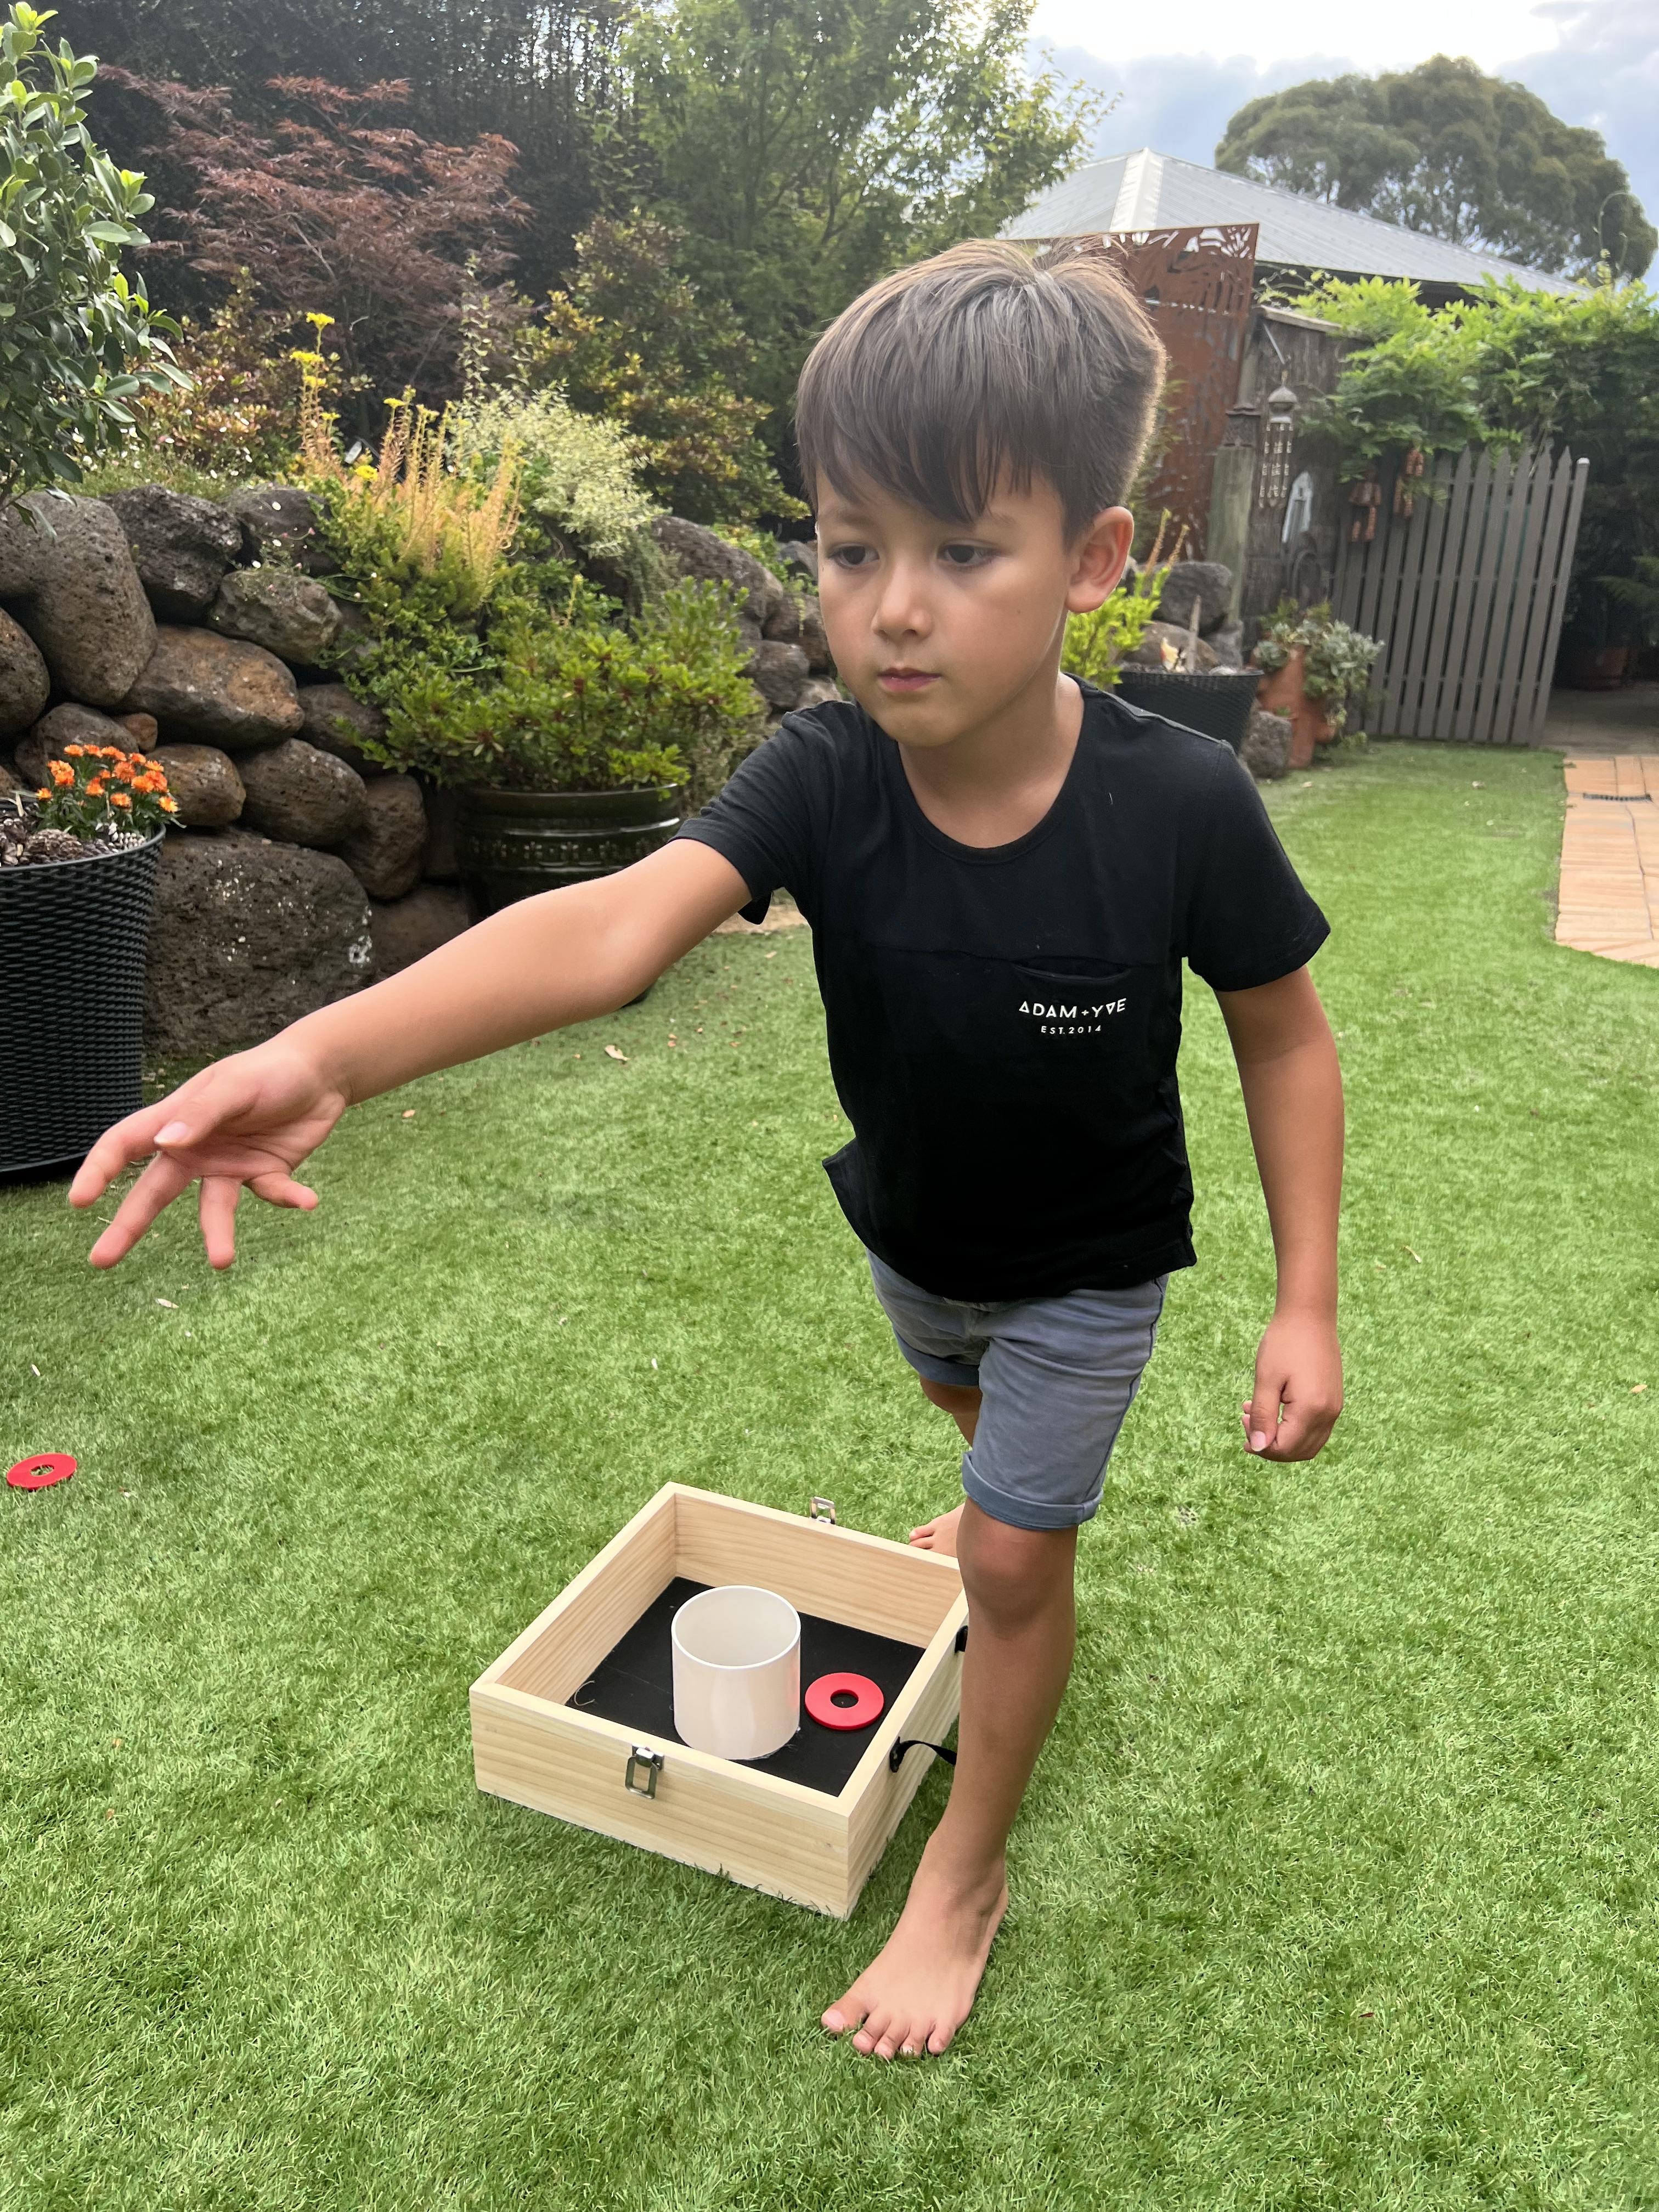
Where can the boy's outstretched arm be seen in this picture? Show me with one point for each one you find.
(1292, 1086)
(537, 965)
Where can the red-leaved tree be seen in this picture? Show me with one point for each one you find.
(342, 211)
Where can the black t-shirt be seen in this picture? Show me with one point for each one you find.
(1004, 1021)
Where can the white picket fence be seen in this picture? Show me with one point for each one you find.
(1466, 593)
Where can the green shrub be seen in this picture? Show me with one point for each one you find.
(1337, 670)
(1097, 644)
(76, 340)
(541, 688)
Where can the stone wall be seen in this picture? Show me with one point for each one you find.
(299, 870)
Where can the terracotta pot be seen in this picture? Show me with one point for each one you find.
(1282, 693)
(1603, 671)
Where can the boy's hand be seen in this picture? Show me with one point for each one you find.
(250, 1118)
(1298, 1370)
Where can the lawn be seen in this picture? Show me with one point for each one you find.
(1334, 1885)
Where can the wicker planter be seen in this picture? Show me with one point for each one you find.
(75, 935)
(1216, 702)
(1283, 694)
(511, 844)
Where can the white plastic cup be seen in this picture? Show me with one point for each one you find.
(736, 1671)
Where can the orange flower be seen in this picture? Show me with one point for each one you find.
(60, 772)
(119, 799)
(73, 752)
(122, 771)
(46, 793)
(168, 805)
(96, 788)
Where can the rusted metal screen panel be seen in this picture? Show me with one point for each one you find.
(1196, 281)
(1466, 593)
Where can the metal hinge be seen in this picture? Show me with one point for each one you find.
(822, 1508)
(643, 1755)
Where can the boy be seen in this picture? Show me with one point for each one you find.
(1003, 869)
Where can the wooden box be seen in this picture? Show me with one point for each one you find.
(530, 1745)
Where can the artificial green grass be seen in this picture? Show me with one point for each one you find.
(1334, 1885)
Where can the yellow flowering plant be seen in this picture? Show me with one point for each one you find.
(100, 791)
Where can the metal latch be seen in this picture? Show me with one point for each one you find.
(822, 1508)
(643, 1755)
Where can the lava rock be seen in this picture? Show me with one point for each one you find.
(812, 640)
(778, 671)
(330, 715)
(800, 553)
(1265, 750)
(1227, 644)
(407, 929)
(784, 621)
(698, 552)
(68, 724)
(142, 729)
(280, 518)
(1149, 652)
(384, 851)
(25, 681)
(215, 691)
(1209, 582)
(205, 783)
(248, 937)
(181, 547)
(439, 864)
(76, 594)
(285, 613)
(301, 795)
(817, 691)
(9, 782)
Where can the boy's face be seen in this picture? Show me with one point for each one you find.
(982, 610)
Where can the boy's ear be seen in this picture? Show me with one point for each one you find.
(1102, 554)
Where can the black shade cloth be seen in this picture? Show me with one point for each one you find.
(633, 1685)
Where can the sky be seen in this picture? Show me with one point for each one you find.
(1595, 62)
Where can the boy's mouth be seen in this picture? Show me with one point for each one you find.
(907, 679)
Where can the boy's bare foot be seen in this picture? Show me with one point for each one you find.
(939, 1534)
(919, 1987)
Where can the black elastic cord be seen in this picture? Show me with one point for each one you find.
(896, 1756)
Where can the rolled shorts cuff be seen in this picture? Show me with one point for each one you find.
(959, 1374)
(1023, 1512)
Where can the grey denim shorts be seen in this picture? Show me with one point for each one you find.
(1058, 1375)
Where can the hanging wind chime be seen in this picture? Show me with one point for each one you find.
(1405, 488)
(1367, 495)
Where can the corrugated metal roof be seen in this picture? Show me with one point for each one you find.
(1144, 190)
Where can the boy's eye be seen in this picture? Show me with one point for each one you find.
(844, 556)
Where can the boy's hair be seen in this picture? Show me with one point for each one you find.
(944, 372)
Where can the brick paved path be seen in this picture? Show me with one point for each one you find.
(1609, 898)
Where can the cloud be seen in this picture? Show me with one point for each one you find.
(1605, 73)
(1176, 104)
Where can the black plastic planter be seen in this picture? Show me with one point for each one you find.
(511, 844)
(1215, 701)
(74, 936)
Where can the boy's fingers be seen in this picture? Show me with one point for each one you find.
(159, 1185)
(217, 1211)
(279, 1189)
(1261, 1415)
(118, 1148)
(185, 1116)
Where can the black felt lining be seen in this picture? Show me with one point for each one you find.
(633, 1685)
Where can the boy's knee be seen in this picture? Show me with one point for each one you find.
(960, 1398)
(1011, 1574)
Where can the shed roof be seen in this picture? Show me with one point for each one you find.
(1144, 190)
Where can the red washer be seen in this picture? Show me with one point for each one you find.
(869, 1706)
(40, 1471)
